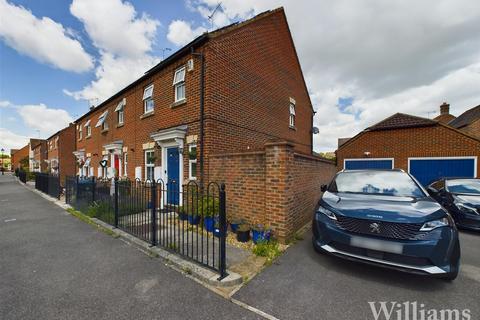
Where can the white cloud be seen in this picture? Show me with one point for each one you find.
(10, 140)
(113, 74)
(124, 40)
(5, 104)
(180, 32)
(114, 27)
(42, 39)
(389, 56)
(46, 120)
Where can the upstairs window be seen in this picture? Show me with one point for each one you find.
(102, 121)
(88, 128)
(179, 84)
(148, 105)
(292, 115)
(80, 133)
(120, 111)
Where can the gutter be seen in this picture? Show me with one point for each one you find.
(202, 111)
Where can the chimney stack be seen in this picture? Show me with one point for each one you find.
(445, 108)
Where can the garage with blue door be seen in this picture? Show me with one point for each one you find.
(427, 170)
(362, 164)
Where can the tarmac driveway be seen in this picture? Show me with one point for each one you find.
(306, 285)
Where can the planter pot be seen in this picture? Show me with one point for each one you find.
(183, 216)
(243, 236)
(234, 226)
(209, 223)
(258, 235)
(194, 220)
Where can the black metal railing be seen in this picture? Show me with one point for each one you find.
(48, 183)
(22, 176)
(186, 219)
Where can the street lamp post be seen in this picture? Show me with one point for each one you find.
(2, 163)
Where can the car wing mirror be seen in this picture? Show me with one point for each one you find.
(432, 191)
(323, 187)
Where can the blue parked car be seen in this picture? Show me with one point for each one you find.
(386, 218)
(461, 197)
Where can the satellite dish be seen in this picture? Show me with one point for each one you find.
(315, 130)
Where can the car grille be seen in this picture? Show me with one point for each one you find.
(392, 230)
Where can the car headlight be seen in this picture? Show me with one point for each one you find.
(327, 212)
(466, 208)
(430, 225)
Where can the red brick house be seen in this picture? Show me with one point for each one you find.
(468, 122)
(427, 148)
(230, 90)
(231, 106)
(60, 159)
(38, 155)
(18, 155)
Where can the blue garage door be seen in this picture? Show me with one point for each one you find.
(428, 170)
(368, 164)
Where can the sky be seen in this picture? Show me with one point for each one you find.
(362, 60)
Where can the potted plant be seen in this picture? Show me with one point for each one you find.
(210, 213)
(235, 223)
(260, 233)
(243, 233)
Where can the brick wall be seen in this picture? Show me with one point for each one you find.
(63, 152)
(18, 155)
(400, 144)
(40, 154)
(252, 72)
(276, 186)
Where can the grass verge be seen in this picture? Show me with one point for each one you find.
(79, 215)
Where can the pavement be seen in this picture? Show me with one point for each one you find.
(53, 266)
(303, 284)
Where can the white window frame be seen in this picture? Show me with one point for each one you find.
(292, 114)
(120, 111)
(125, 162)
(148, 96)
(190, 162)
(89, 131)
(149, 165)
(80, 133)
(179, 82)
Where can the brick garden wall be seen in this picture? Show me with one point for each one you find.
(276, 186)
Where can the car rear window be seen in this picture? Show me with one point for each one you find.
(391, 183)
(468, 186)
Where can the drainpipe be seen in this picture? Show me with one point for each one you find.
(202, 109)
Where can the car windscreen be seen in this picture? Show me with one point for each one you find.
(391, 183)
(467, 186)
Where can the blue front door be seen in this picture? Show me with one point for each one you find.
(173, 172)
(428, 170)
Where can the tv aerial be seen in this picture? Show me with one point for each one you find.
(210, 17)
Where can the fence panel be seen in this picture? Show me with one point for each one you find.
(189, 220)
(48, 184)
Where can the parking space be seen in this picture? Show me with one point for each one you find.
(303, 284)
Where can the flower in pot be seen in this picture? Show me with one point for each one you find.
(216, 229)
(243, 233)
(260, 233)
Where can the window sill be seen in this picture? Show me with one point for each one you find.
(178, 103)
(293, 128)
(148, 114)
(88, 137)
(120, 125)
(104, 131)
